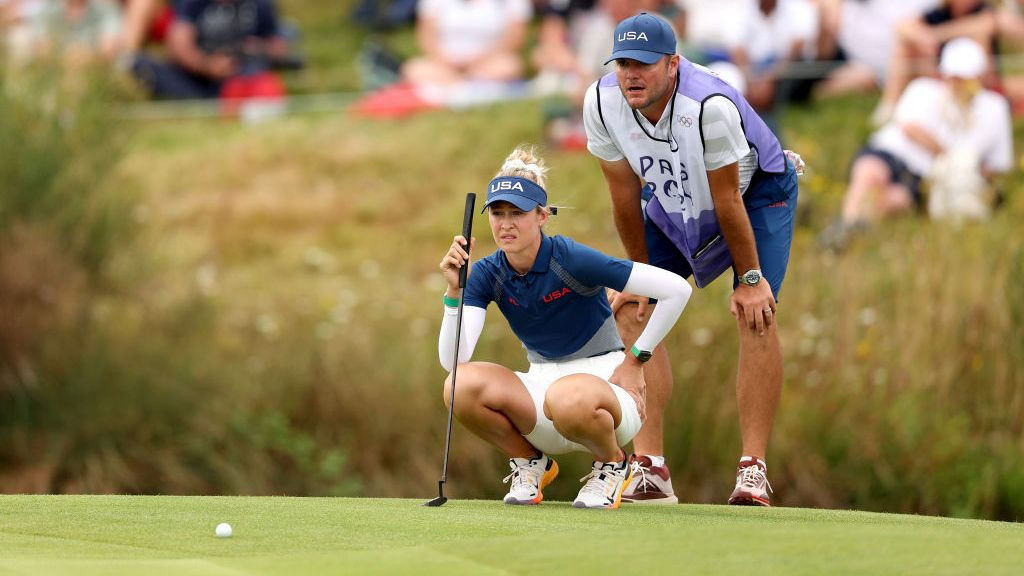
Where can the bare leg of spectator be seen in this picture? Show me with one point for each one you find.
(851, 77)
(497, 67)
(137, 17)
(896, 199)
(423, 70)
(869, 176)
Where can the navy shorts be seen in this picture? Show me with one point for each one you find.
(898, 172)
(771, 207)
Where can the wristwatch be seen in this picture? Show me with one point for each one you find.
(641, 355)
(751, 277)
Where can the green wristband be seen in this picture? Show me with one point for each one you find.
(641, 355)
(450, 302)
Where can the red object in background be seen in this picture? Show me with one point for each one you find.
(395, 101)
(161, 24)
(236, 90)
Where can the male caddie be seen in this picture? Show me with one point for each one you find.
(699, 185)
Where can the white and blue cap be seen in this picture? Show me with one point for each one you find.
(643, 37)
(520, 192)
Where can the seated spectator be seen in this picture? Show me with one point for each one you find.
(933, 118)
(775, 34)
(554, 56)
(918, 42)
(857, 36)
(763, 38)
(143, 21)
(464, 40)
(572, 41)
(211, 42)
(16, 17)
(376, 14)
(75, 30)
(572, 47)
(705, 38)
(1010, 22)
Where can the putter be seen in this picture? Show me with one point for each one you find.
(467, 231)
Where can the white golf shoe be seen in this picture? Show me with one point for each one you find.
(604, 485)
(529, 478)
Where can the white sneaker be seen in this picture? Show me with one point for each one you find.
(650, 484)
(604, 485)
(529, 477)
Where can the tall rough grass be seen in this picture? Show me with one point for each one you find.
(106, 383)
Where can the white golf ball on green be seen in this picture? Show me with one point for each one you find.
(223, 530)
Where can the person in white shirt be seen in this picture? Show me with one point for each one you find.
(934, 117)
(469, 40)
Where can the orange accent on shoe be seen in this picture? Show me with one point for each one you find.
(548, 478)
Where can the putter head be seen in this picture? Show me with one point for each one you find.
(440, 500)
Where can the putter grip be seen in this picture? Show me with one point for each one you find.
(467, 233)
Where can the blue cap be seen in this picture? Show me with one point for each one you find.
(643, 37)
(520, 192)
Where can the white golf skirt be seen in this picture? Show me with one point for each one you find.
(540, 377)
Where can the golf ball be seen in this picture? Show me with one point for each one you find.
(223, 530)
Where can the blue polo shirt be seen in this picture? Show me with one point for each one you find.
(558, 309)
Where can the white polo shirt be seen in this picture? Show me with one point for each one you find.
(985, 126)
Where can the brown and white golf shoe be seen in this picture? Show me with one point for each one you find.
(650, 484)
(752, 485)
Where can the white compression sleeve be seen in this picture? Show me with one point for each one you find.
(472, 326)
(672, 293)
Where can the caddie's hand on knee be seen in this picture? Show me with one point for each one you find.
(455, 259)
(754, 306)
(618, 299)
(630, 377)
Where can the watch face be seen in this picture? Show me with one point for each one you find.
(751, 278)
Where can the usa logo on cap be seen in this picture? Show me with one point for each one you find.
(643, 37)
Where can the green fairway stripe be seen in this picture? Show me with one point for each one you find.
(282, 536)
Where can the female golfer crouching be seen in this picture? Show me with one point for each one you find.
(582, 392)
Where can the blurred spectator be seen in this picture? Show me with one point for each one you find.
(143, 21)
(379, 15)
(777, 33)
(469, 40)
(75, 30)
(918, 40)
(16, 17)
(572, 47)
(731, 73)
(212, 42)
(554, 56)
(1010, 21)
(572, 41)
(762, 39)
(859, 35)
(937, 121)
(703, 32)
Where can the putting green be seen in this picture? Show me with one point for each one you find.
(86, 535)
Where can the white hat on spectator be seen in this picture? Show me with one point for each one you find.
(963, 58)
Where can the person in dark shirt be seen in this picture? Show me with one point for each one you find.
(211, 41)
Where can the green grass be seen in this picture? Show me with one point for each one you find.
(174, 535)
